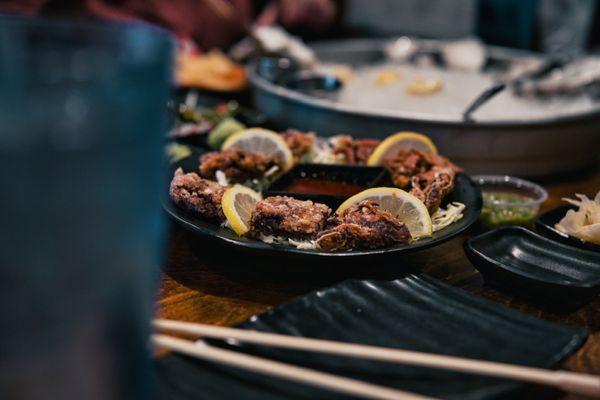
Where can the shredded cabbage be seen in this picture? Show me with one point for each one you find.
(583, 223)
(221, 178)
(299, 244)
(272, 170)
(442, 218)
(255, 184)
(322, 153)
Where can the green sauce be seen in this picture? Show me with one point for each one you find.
(506, 208)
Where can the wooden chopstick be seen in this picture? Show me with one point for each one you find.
(275, 368)
(568, 381)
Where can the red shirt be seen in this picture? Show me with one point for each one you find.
(209, 25)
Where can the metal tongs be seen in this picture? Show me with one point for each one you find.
(535, 73)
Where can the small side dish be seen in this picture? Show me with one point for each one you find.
(227, 190)
(508, 200)
(309, 185)
(542, 270)
(326, 183)
(583, 223)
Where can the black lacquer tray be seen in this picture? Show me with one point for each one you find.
(416, 313)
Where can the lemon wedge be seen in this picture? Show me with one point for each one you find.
(400, 141)
(402, 205)
(238, 203)
(262, 141)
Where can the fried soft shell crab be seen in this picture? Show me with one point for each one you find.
(429, 177)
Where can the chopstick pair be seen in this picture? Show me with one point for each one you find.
(278, 369)
(567, 381)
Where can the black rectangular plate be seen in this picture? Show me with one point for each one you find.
(416, 313)
(547, 272)
(544, 224)
(363, 176)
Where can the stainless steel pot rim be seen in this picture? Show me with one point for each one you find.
(325, 104)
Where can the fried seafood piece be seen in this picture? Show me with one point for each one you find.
(430, 177)
(405, 165)
(362, 226)
(408, 163)
(288, 217)
(355, 151)
(238, 165)
(200, 196)
(300, 143)
(432, 186)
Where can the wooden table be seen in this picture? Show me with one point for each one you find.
(208, 288)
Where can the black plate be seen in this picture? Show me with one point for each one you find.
(416, 313)
(465, 191)
(366, 177)
(544, 224)
(546, 272)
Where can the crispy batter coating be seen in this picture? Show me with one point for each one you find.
(362, 226)
(355, 151)
(289, 217)
(430, 177)
(405, 165)
(408, 163)
(200, 196)
(432, 186)
(300, 143)
(238, 165)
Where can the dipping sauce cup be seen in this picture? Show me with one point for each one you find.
(508, 200)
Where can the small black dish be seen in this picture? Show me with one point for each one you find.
(544, 224)
(543, 271)
(365, 177)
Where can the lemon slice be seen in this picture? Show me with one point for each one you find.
(238, 202)
(400, 141)
(261, 141)
(402, 205)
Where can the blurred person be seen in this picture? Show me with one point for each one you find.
(431, 18)
(549, 26)
(206, 23)
(542, 25)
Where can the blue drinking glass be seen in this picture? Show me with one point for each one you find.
(82, 122)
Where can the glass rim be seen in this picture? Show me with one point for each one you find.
(539, 193)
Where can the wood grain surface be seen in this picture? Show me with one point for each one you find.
(207, 283)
